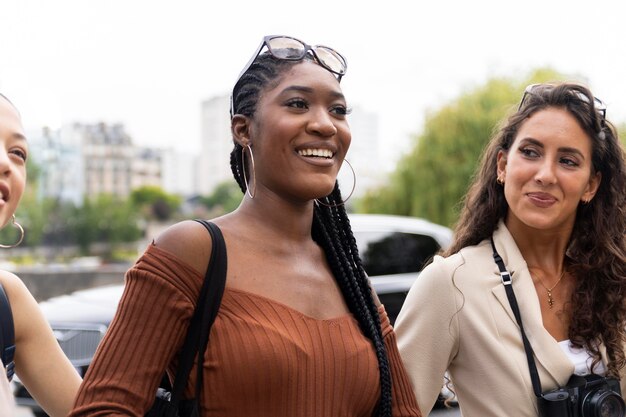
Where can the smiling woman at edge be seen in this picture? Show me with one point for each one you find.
(551, 191)
(39, 361)
(299, 332)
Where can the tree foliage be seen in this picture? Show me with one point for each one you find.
(154, 202)
(431, 180)
(225, 198)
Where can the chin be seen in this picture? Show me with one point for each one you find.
(542, 223)
(322, 190)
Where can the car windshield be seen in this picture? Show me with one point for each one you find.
(386, 253)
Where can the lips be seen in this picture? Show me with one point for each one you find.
(4, 192)
(540, 199)
(316, 153)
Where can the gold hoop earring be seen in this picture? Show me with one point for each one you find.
(21, 229)
(243, 168)
(500, 181)
(317, 200)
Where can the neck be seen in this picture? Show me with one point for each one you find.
(290, 223)
(542, 250)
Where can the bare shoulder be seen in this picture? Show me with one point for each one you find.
(13, 286)
(188, 240)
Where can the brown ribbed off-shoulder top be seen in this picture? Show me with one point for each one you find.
(264, 358)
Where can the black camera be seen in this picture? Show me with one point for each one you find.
(584, 396)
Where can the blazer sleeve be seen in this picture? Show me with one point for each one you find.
(403, 400)
(146, 332)
(428, 331)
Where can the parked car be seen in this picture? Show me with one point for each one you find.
(394, 249)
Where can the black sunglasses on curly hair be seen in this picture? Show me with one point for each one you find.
(599, 105)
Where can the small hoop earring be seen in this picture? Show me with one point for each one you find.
(317, 200)
(243, 168)
(500, 181)
(21, 229)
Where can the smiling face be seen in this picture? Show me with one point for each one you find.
(13, 152)
(299, 134)
(547, 172)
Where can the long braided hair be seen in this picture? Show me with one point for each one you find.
(331, 227)
(596, 253)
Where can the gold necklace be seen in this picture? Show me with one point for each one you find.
(549, 290)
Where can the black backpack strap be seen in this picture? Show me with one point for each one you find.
(204, 315)
(7, 335)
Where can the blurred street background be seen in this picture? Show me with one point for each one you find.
(126, 109)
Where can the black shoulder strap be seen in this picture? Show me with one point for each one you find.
(508, 286)
(7, 335)
(204, 315)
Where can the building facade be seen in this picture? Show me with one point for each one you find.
(86, 160)
(215, 145)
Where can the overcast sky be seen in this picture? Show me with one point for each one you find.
(150, 63)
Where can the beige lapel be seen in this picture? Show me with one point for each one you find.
(548, 354)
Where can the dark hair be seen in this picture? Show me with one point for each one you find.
(331, 227)
(596, 253)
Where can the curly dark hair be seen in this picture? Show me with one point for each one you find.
(331, 227)
(596, 252)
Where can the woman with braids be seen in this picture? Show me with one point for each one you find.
(299, 332)
(546, 212)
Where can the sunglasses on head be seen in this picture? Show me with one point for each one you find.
(599, 105)
(292, 49)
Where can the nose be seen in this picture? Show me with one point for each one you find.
(321, 123)
(546, 174)
(5, 162)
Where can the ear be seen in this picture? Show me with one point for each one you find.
(501, 164)
(592, 187)
(240, 129)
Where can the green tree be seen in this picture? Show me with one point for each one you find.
(154, 202)
(225, 198)
(105, 219)
(622, 133)
(431, 180)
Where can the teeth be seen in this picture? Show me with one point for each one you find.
(321, 153)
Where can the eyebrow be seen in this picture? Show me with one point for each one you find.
(19, 136)
(565, 149)
(309, 90)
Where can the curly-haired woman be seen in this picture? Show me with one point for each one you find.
(548, 203)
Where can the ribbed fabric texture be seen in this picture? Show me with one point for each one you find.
(264, 358)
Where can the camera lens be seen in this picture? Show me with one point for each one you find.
(603, 403)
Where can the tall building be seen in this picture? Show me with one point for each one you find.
(364, 154)
(215, 145)
(60, 163)
(108, 156)
(179, 172)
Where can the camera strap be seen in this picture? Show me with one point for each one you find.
(508, 286)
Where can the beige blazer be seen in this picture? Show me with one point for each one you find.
(457, 317)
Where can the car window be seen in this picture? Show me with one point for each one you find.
(386, 253)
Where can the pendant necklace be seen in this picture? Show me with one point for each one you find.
(549, 290)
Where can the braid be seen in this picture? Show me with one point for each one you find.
(331, 227)
(236, 165)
